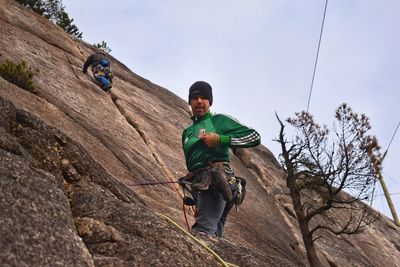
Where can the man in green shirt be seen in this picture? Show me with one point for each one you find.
(206, 144)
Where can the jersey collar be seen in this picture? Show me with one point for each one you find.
(206, 116)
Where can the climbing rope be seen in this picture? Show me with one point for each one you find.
(184, 214)
(163, 183)
(154, 183)
(212, 252)
(216, 256)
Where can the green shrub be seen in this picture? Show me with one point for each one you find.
(66, 24)
(49, 9)
(103, 46)
(53, 10)
(19, 74)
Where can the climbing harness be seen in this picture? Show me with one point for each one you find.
(219, 175)
(100, 70)
(240, 191)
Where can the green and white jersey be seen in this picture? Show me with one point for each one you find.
(232, 134)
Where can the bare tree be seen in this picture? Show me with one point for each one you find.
(329, 179)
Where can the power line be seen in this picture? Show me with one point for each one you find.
(379, 195)
(391, 140)
(316, 58)
(391, 178)
(383, 205)
(373, 195)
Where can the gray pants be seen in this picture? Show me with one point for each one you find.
(211, 212)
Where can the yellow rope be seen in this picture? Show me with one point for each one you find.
(216, 256)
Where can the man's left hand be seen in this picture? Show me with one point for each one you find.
(211, 139)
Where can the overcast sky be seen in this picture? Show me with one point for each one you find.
(258, 55)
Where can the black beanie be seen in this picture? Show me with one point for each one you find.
(201, 88)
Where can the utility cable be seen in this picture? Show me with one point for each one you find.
(391, 178)
(373, 195)
(391, 140)
(397, 193)
(383, 205)
(316, 58)
(383, 157)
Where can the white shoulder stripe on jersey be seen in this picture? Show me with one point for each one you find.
(246, 139)
(232, 118)
(244, 143)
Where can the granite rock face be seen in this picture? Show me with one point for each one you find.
(71, 155)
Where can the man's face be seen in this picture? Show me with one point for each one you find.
(200, 106)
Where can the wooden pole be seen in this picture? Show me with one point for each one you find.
(388, 199)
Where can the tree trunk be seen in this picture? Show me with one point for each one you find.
(309, 244)
(303, 224)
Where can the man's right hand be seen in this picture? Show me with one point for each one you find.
(211, 139)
